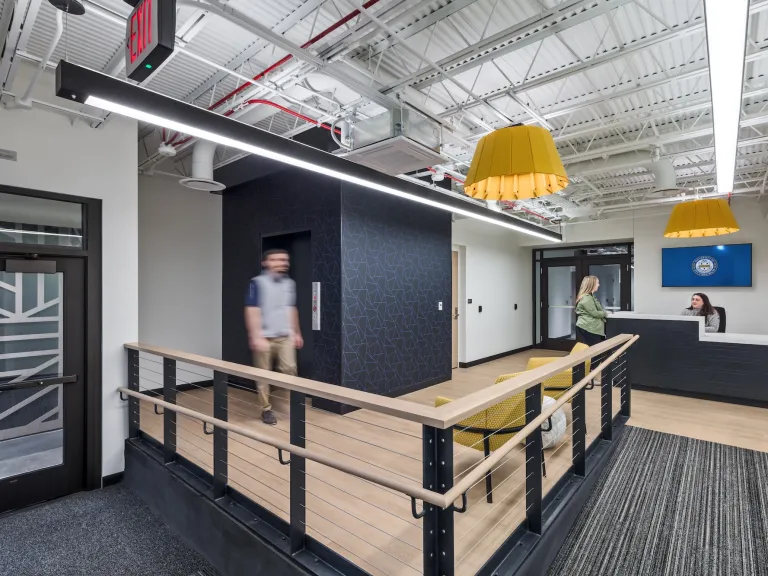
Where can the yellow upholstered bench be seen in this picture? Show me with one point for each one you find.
(490, 429)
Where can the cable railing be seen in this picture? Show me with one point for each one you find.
(396, 487)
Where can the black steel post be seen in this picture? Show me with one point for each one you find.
(606, 402)
(298, 473)
(533, 461)
(438, 523)
(579, 412)
(626, 387)
(169, 416)
(134, 408)
(220, 436)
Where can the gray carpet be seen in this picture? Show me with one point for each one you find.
(668, 505)
(106, 532)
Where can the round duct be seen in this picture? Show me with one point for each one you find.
(202, 168)
(665, 180)
(73, 7)
(202, 184)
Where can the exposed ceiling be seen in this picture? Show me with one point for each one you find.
(618, 82)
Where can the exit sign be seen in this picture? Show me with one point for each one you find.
(149, 37)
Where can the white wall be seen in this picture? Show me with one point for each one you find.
(496, 274)
(58, 156)
(746, 309)
(179, 269)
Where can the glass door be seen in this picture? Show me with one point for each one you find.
(560, 282)
(560, 285)
(615, 275)
(42, 389)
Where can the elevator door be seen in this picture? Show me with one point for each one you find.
(299, 248)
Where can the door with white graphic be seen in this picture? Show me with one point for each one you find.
(41, 384)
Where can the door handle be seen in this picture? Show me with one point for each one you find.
(38, 382)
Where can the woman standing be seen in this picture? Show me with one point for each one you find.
(590, 316)
(701, 306)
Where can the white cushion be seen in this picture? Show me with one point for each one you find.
(553, 437)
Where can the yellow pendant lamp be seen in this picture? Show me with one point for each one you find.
(701, 218)
(515, 163)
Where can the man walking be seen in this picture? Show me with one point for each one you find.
(272, 321)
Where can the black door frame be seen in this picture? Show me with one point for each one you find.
(582, 262)
(91, 253)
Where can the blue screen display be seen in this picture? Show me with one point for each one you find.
(723, 265)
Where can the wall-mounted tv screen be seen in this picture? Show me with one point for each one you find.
(720, 265)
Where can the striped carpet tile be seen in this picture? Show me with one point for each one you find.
(672, 506)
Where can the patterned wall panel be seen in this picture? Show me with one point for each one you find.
(396, 267)
(284, 202)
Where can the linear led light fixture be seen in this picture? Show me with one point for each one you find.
(79, 84)
(726, 44)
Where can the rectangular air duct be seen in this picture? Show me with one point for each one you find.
(396, 142)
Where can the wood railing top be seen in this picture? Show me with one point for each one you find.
(443, 417)
(407, 488)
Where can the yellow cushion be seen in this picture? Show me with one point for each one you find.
(557, 385)
(509, 413)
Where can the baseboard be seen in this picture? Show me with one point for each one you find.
(494, 357)
(528, 554)
(702, 396)
(112, 479)
(341, 409)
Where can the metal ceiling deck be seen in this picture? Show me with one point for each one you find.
(630, 71)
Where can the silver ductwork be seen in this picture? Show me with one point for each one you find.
(665, 179)
(202, 168)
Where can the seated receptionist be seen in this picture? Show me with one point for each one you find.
(700, 306)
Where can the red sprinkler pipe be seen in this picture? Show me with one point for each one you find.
(285, 59)
(289, 57)
(524, 209)
(506, 203)
(459, 180)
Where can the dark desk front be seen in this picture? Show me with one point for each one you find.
(674, 356)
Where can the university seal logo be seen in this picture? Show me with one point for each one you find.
(704, 266)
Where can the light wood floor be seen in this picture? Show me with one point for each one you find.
(373, 526)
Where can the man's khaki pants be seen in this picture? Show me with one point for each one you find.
(281, 354)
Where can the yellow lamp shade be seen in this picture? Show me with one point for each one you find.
(515, 163)
(701, 218)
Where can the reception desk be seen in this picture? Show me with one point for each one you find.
(675, 355)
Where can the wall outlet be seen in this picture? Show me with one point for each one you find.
(439, 305)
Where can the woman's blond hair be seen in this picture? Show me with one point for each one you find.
(587, 287)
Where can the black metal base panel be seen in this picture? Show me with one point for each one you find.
(229, 532)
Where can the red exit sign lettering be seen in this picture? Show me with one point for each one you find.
(140, 38)
(149, 37)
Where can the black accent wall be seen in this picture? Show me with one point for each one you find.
(384, 263)
(280, 203)
(396, 267)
